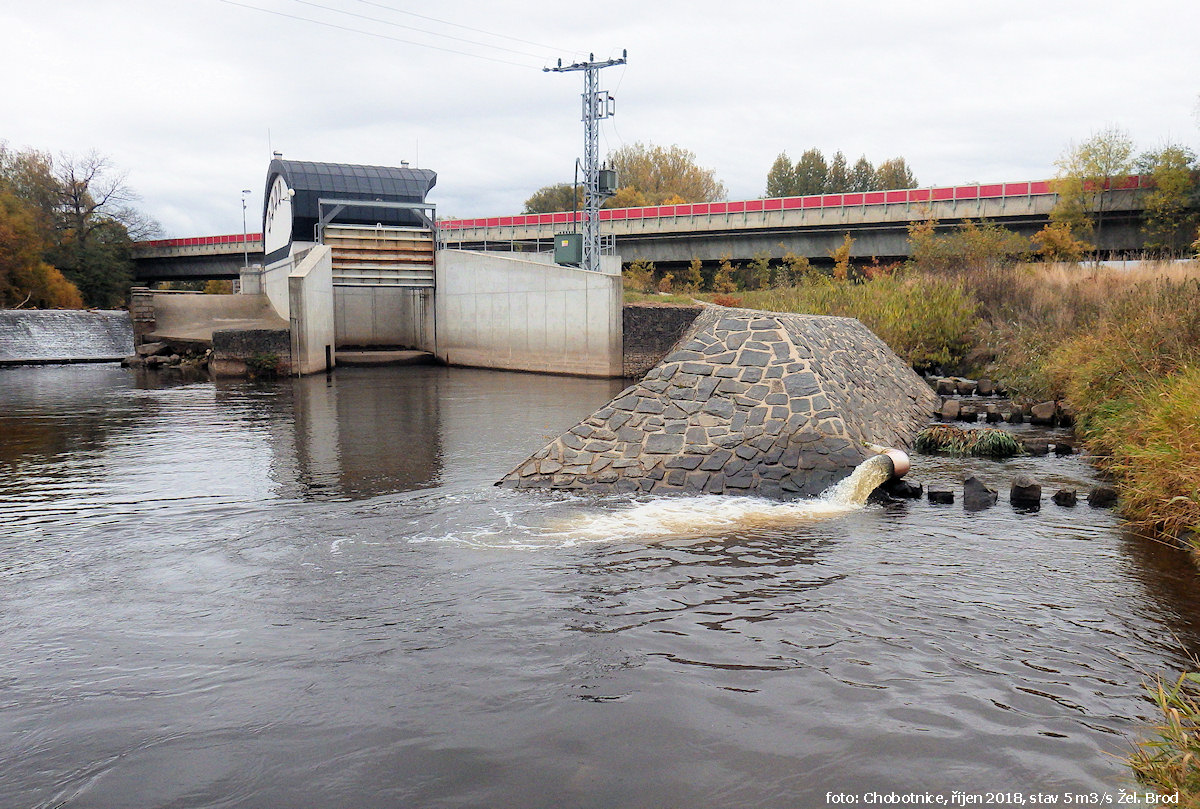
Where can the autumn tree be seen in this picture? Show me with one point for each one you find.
(862, 176)
(25, 279)
(838, 178)
(722, 281)
(1086, 174)
(841, 258)
(83, 211)
(691, 278)
(1170, 214)
(554, 198)
(781, 179)
(1056, 242)
(812, 173)
(664, 175)
(894, 174)
(970, 247)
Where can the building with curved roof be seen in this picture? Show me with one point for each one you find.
(294, 190)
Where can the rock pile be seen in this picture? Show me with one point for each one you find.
(775, 404)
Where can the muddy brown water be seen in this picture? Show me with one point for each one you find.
(309, 594)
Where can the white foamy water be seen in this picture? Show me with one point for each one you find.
(716, 515)
(687, 517)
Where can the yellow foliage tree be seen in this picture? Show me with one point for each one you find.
(1057, 242)
(26, 280)
(723, 279)
(841, 258)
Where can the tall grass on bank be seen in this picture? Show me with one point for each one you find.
(927, 321)
(1170, 762)
(1125, 355)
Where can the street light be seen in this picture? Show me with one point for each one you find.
(245, 235)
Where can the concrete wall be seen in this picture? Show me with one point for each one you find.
(310, 304)
(272, 280)
(521, 312)
(194, 316)
(64, 335)
(384, 316)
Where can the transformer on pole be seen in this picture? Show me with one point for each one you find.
(597, 105)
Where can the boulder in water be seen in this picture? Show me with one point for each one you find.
(1025, 492)
(941, 495)
(1102, 497)
(1043, 413)
(1065, 497)
(977, 495)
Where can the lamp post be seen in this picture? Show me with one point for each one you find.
(245, 235)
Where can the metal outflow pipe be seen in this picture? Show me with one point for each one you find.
(899, 458)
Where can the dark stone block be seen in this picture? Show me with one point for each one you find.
(1036, 446)
(977, 495)
(941, 495)
(630, 434)
(755, 358)
(722, 408)
(663, 444)
(689, 462)
(903, 489)
(739, 481)
(1025, 492)
(716, 461)
(1102, 497)
(801, 384)
(751, 375)
(677, 477)
(697, 368)
(746, 452)
(737, 339)
(1066, 497)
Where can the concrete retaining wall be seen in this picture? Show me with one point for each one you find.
(520, 312)
(310, 304)
(384, 316)
(64, 335)
(243, 352)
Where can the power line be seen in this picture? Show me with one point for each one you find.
(458, 25)
(375, 34)
(421, 30)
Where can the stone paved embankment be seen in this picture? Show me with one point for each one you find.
(748, 402)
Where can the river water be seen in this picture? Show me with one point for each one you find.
(309, 594)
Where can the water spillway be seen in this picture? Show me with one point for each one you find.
(748, 402)
(64, 335)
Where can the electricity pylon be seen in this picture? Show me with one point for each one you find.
(597, 105)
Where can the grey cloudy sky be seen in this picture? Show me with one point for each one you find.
(190, 97)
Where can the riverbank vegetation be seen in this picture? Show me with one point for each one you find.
(1120, 346)
(66, 230)
(1170, 762)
